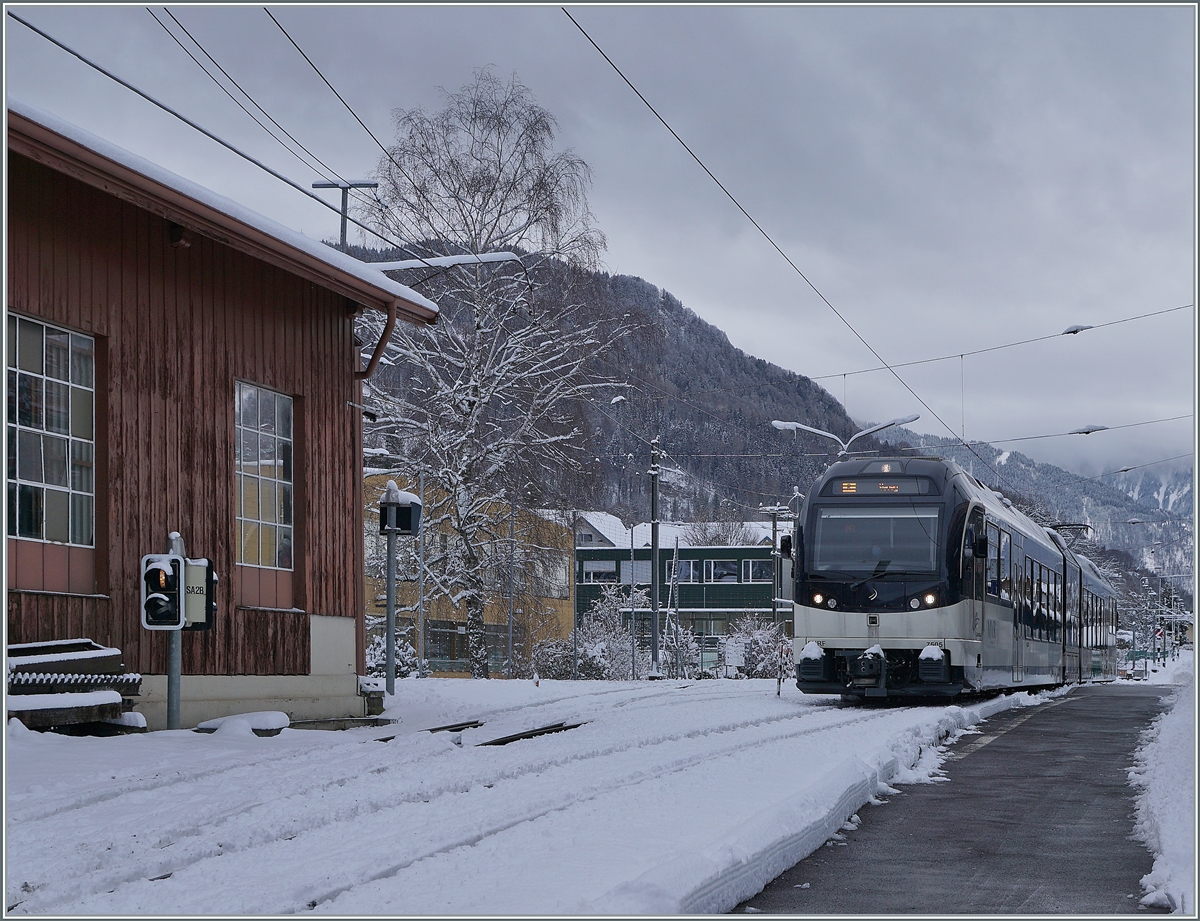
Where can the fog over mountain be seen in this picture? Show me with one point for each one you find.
(711, 404)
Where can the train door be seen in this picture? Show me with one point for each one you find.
(1020, 600)
(1072, 665)
(974, 579)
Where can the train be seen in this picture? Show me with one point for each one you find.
(913, 579)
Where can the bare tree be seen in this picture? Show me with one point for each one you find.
(482, 401)
(728, 530)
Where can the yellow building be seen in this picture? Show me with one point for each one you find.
(541, 599)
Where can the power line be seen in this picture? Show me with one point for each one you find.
(996, 348)
(925, 361)
(377, 201)
(328, 170)
(1140, 466)
(208, 134)
(387, 153)
(769, 238)
(311, 156)
(1109, 428)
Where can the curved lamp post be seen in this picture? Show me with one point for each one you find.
(794, 426)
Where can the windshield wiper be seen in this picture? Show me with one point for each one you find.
(880, 569)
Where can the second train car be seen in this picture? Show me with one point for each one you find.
(914, 579)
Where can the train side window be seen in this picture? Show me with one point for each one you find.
(1039, 602)
(1055, 606)
(1005, 566)
(1030, 596)
(993, 560)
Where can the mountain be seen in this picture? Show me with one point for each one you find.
(710, 404)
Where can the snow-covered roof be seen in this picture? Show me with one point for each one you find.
(611, 527)
(201, 209)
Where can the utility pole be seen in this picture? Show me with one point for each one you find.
(512, 556)
(654, 574)
(574, 598)
(421, 588)
(174, 645)
(632, 614)
(346, 187)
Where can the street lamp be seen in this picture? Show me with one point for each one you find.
(794, 426)
(345, 187)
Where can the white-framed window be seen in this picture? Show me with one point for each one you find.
(264, 438)
(687, 570)
(599, 570)
(720, 571)
(51, 433)
(758, 571)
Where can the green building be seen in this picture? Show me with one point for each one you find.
(715, 584)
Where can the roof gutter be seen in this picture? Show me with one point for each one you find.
(388, 326)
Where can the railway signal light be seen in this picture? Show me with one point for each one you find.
(162, 591)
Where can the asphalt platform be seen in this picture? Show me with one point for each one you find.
(1035, 818)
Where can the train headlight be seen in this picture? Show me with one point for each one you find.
(831, 603)
(914, 603)
(818, 599)
(930, 599)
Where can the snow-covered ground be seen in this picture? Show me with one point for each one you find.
(668, 797)
(1165, 771)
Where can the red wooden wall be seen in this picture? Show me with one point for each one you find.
(174, 328)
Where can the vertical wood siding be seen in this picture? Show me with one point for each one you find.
(175, 328)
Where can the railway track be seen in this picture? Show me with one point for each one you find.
(349, 800)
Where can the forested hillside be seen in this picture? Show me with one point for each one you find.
(679, 378)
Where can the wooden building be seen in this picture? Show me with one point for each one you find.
(179, 363)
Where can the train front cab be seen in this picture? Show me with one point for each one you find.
(990, 602)
(882, 607)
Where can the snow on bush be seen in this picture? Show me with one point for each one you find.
(1164, 771)
(406, 656)
(765, 647)
(604, 642)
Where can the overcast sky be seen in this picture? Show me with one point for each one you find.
(950, 179)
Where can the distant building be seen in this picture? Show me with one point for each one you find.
(541, 589)
(715, 584)
(177, 362)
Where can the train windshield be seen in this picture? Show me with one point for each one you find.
(874, 539)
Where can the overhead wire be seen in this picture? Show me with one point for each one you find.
(1109, 428)
(1139, 466)
(208, 134)
(769, 238)
(923, 361)
(996, 348)
(325, 169)
(378, 202)
(699, 479)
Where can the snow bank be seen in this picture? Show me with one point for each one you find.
(22, 702)
(262, 720)
(737, 865)
(1164, 771)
